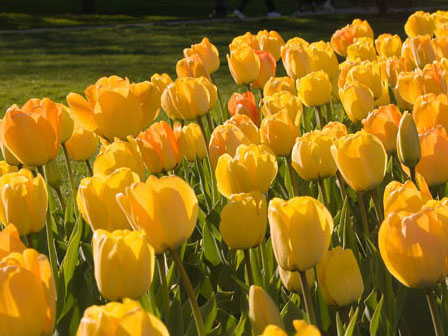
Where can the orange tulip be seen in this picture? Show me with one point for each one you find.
(388, 45)
(431, 110)
(419, 51)
(244, 104)
(207, 52)
(191, 66)
(267, 68)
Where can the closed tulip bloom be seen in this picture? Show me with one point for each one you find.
(244, 104)
(159, 147)
(335, 129)
(82, 145)
(314, 89)
(414, 247)
(262, 310)
(419, 51)
(440, 16)
(441, 30)
(225, 139)
(324, 58)
(277, 84)
(124, 263)
(28, 300)
(388, 45)
(5, 168)
(244, 65)
(243, 41)
(120, 318)
(207, 52)
(431, 110)
(403, 197)
(283, 101)
(410, 86)
(367, 73)
(340, 279)
(297, 61)
(96, 199)
(357, 100)
(190, 141)
(10, 241)
(385, 97)
(31, 134)
(408, 144)
(440, 45)
(166, 209)
(270, 41)
(344, 69)
(115, 107)
(273, 330)
(311, 156)
(67, 123)
(361, 49)
(186, 99)
(419, 23)
(268, 67)
(279, 133)
(383, 122)
(23, 201)
(161, 81)
(361, 28)
(253, 167)
(433, 164)
(300, 231)
(361, 159)
(212, 91)
(292, 42)
(291, 280)
(391, 68)
(341, 39)
(116, 155)
(8, 157)
(246, 125)
(243, 220)
(304, 329)
(191, 66)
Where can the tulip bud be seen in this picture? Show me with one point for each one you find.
(339, 277)
(82, 145)
(23, 201)
(403, 197)
(190, 141)
(244, 65)
(408, 145)
(53, 174)
(419, 23)
(279, 133)
(10, 241)
(277, 84)
(28, 300)
(262, 310)
(291, 280)
(116, 318)
(243, 220)
(145, 206)
(300, 231)
(124, 263)
(314, 89)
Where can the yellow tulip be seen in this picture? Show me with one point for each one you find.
(291, 280)
(367, 73)
(82, 145)
(262, 310)
(67, 123)
(253, 167)
(225, 139)
(301, 229)
(244, 65)
(339, 277)
(282, 101)
(419, 23)
(243, 41)
(403, 197)
(361, 159)
(279, 133)
(344, 69)
(267, 69)
(440, 45)
(9, 158)
(408, 145)
(418, 51)
(31, 134)
(277, 84)
(116, 319)
(391, 68)
(388, 45)
(431, 110)
(166, 209)
(28, 300)
(383, 123)
(247, 126)
(273, 330)
(116, 155)
(297, 60)
(124, 263)
(115, 107)
(433, 164)
(191, 66)
(271, 42)
(5, 168)
(440, 16)
(96, 199)
(335, 129)
(243, 220)
(304, 329)
(341, 39)
(324, 58)
(161, 81)
(361, 28)
(314, 89)
(207, 52)
(23, 201)
(441, 30)
(186, 99)
(357, 100)
(362, 48)
(159, 147)
(414, 247)
(212, 91)
(385, 97)
(311, 156)
(190, 141)
(10, 241)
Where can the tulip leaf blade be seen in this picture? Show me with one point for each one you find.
(210, 246)
(209, 311)
(374, 324)
(351, 325)
(339, 325)
(71, 257)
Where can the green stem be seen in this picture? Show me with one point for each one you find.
(162, 276)
(89, 167)
(292, 176)
(264, 261)
(307, 298)
(248, 267)
(61, 198)
(362, 209)
(319, 121)
(445, 296)
(202, 182)
(190, 292)
(341, 184)
(211, 123)
(377, 206)
(249, 87)
(413, 179)
(433, 310)
(221, 106)
(201, 125)
(321, 185)
(69, 169)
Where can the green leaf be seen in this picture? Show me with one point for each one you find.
(374, 324)
(175, 323)
(71, 257)
(323, 310)
(339, 325)
(351, 325)
(209, 311)
(211, 249)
